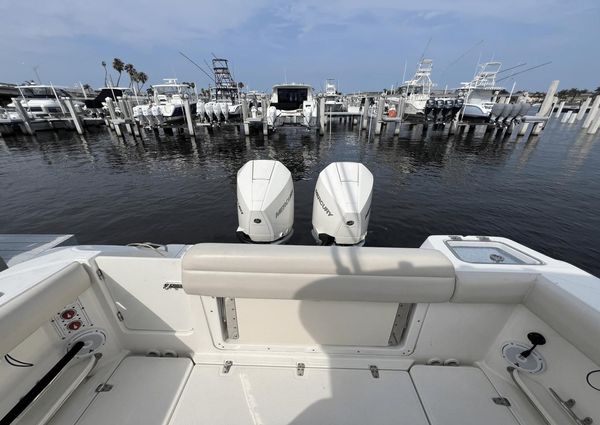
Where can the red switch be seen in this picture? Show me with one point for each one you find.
(68, 314)
(74, 325)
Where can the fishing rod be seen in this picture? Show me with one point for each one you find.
(198, 66)
(525, 70)
(513, 67)
(462, 56)
(425, 49)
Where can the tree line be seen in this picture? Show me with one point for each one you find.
(135, 77)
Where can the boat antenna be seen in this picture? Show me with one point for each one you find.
(525, 70)
(197, 66)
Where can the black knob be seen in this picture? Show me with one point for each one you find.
(536, 339)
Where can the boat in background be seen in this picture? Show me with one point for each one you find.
(418, 90)
(333, 99)
(41, 100)
(480, 94)
(292, 104)
(167, 102)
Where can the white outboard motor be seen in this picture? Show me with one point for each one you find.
(265, 200)
(342, 204)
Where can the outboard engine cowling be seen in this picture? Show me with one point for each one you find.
(265, 201)
(342, 204)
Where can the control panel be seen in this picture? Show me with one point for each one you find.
(71, 319)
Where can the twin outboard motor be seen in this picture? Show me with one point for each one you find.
(265, 200)
(342, 204)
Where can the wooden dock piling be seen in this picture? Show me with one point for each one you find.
(593, 111)
(321, 115)
(74, 117)
(566, 116)
(583, 108)
(560, 108)
(546, 107)
(188, 115)
(27, 128)
(264, 107)
(379, 116)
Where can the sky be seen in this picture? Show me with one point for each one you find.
(363, 44)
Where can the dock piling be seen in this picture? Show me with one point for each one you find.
(559, 110)
(593, 111)
(28, 129)
(74, 117)
(583, 108)
(188, 116)
(379, 119)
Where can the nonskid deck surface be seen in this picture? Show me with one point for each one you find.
(174, 391)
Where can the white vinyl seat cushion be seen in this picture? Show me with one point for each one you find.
(318, 273)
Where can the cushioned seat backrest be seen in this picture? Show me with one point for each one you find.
(318, 273)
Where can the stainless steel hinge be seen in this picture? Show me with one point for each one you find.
(501, 401)
(300, 369)
(227, 366)
(102, 388)
(374, 371)
(172, 285)
(100, 274)
(120, 316)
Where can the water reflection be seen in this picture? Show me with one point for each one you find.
(169, 188)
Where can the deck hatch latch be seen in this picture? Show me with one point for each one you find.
(227, 366)
(374, 371)
(103, 388)
(300, 369)
(501, 401)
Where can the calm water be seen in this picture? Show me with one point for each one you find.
(544, 193)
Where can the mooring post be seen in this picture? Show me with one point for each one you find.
(124, 114)
(546, 108)
(264, 107)
(399, 116)
(245, 122)
(583, 108)
(365, 113)
(188, 115)
(593, 111)
(113, 116)
(322, 118)
(24, 116)
(594, 126)
(379, 119)
(573, 117)
(559, 110)
(566, 117)
(74, 117)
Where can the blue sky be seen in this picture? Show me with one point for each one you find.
(364, 44)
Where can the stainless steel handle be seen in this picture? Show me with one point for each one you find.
(567, 406)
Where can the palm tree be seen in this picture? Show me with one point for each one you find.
(119, 66)
(105, 74)
(142, 78)
(130, 69)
